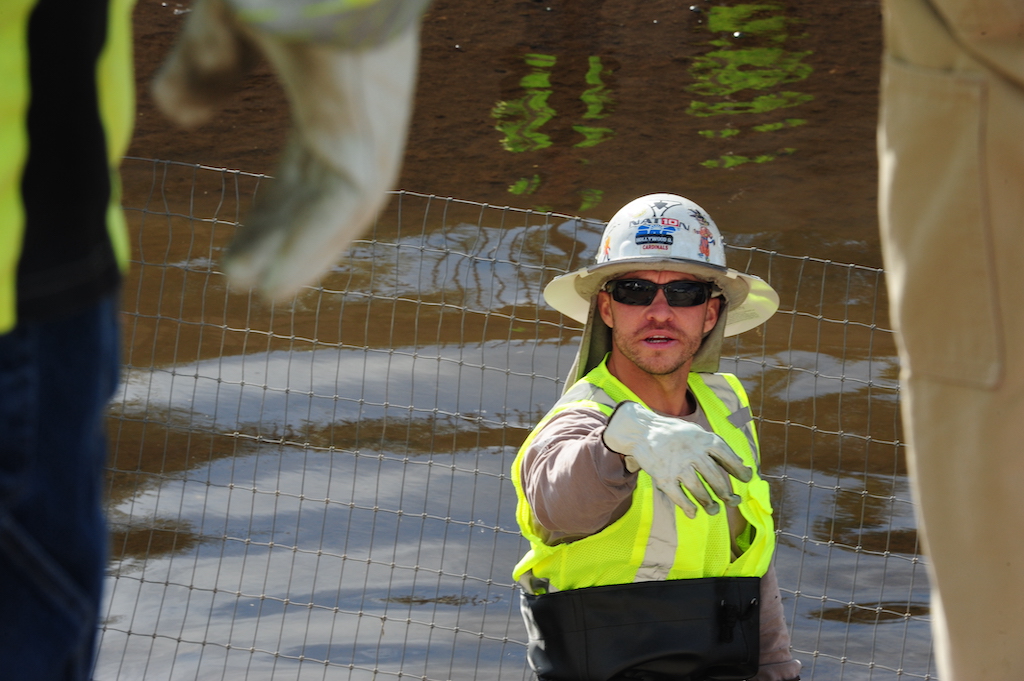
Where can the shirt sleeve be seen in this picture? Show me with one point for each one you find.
(575, 485)
(776, 662)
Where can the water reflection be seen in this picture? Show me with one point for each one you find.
(750, 58)
(521, 119)
(749, 70)
(320, 537)
(313, 556)
(335, 542)
(319, 490)
(598, 99)
(288, 394)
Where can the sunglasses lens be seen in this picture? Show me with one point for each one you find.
(642, 292)
(634, 291)
(686, 293)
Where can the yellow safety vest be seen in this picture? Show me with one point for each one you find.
(114, 90)
(655, 540)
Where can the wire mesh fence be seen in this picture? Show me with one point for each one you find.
(320, 490)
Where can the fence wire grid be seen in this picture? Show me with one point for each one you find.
(320, 489)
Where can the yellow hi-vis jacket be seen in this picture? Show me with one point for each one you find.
(67, 105)
(655, 540)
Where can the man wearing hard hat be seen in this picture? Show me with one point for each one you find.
(633, 571)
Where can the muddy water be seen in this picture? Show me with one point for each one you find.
(317, 490)
(581, 106)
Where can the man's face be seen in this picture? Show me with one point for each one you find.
(657, 338)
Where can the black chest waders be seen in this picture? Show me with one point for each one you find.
(704, 629)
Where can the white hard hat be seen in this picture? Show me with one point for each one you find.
(665, 232)
(660, 232)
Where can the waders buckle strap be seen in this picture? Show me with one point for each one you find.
(732, 615)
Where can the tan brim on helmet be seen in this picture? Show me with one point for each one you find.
(751, 300)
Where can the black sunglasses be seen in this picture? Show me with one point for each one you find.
(683, 293)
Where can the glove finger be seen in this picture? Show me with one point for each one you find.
(733, 500)
(208, 61)
(294, 232)
(350, 111)
(718, 481)
(728, 460)
(675, 493)
(695, 486)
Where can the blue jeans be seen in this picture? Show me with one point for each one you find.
(56, 378)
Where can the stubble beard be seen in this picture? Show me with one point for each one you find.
(651, 361)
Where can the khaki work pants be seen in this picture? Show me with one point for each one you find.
(951, 154)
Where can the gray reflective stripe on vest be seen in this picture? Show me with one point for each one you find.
(740, 417)
(660, 554)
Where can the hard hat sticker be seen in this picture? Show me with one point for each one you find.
(707, 237)
(655, 231)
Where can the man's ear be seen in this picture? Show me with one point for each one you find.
(711, 314)
(604, 307)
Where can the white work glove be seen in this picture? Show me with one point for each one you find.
(350, 88)
(673, 452)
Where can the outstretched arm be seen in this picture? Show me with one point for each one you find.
(574, 484)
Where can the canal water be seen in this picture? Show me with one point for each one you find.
(319, 489)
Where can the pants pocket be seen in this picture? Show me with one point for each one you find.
(938, 240)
